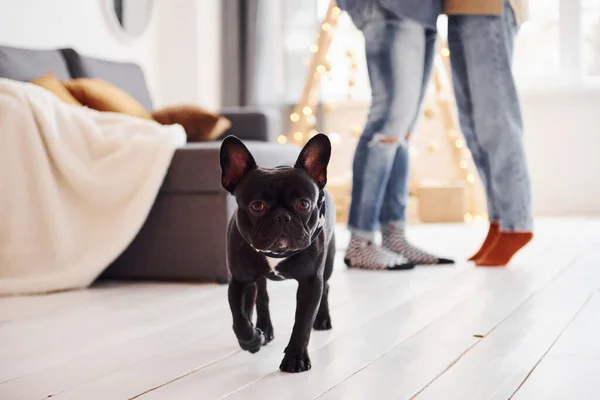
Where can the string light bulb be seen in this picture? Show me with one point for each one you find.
(463, 164)
(336, 11)
(326, 27)
(433, 146)
(445, 52)
(294, 117)
(298, 136)
(452, 134)
(470, 178)
(314, 48)
(321, 68)
(307, 110)
(459, 143)
(468, 217)
(428, 112)
(282, 139)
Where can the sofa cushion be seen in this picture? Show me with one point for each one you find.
(200, 125)
(195, 168)
(49, 82)
(27, 64)
(127, 76)
(102, 96)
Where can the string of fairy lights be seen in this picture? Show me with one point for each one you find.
(303, 120)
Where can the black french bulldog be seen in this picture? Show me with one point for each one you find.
(283, 228)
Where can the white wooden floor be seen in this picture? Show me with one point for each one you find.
(529, 331)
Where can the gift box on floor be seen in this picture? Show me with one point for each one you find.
(442, 201)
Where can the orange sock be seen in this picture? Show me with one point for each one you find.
(504, 248)
(489, 239)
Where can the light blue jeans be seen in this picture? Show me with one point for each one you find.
(481, 49)
(399, 54)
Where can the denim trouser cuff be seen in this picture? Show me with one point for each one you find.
(399, 225)
(366, 235)
(516, 226)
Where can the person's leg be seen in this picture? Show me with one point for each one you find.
(393, 210)
(481, 55)
(462, 92)
(394, 47)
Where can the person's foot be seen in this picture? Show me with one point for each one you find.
(506, 245)
(364, 254)
(489, 240)
(394, 239)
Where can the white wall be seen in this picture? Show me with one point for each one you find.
(563, 146)
(82, 25)
(189, 51)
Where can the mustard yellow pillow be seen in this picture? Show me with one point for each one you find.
(199, 124)
(49, 82)
(103, 96)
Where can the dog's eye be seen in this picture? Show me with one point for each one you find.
(258, 206)
(303, 204)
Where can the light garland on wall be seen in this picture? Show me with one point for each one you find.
(302, 118)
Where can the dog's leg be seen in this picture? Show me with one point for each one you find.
(249, 338)
(323, 319)
(263, 316)
(308, 298)
(250, 301)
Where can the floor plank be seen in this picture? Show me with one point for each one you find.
(500, 362)
(422, 357)
(138, 310)
(571, 369)
(23, 307)
(347, 307)
(439, 332)
(332, 367)
(142, 350)
(366, 331)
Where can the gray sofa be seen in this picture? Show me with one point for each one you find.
(183, 237)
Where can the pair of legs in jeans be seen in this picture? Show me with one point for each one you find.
(399, 57)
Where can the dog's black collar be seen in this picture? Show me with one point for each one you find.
(321, 205)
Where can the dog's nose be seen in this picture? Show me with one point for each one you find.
(283, 216)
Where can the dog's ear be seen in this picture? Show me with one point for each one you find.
(314, 158)
(236, 162)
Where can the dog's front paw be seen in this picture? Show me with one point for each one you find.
(295, 362)
(322, 323)
(267, 330)
(254, 344)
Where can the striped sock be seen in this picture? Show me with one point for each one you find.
(362, 253)
(394, 239)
